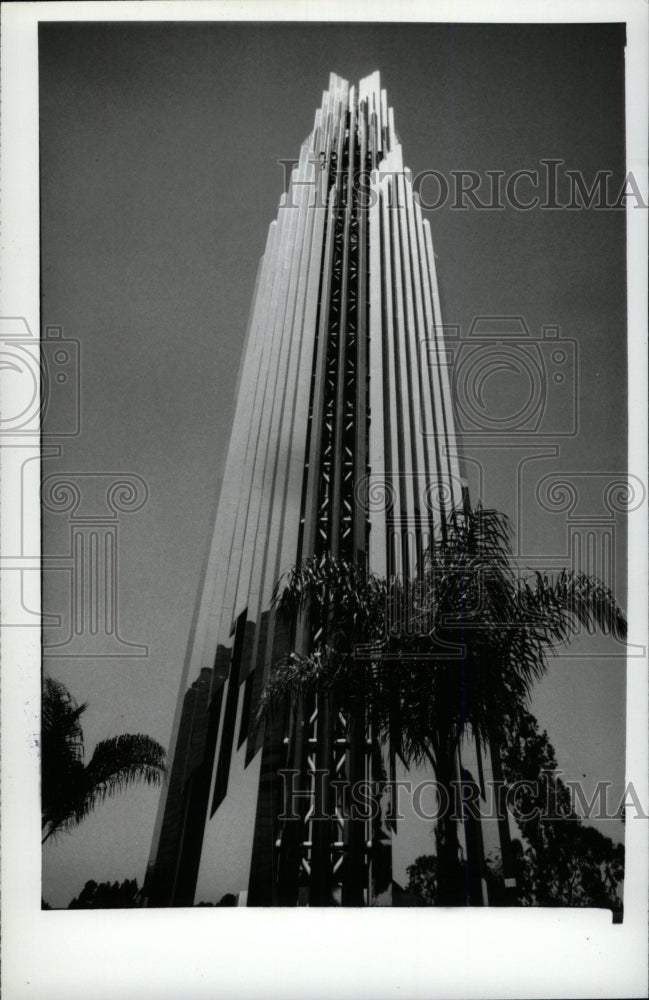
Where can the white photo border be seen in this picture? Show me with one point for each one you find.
(248, 953)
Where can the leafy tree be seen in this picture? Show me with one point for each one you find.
(456, 649)
(423, 879)
(566, 862)
(71, 788)
(481, 633)
(229, 899)
(106, 896)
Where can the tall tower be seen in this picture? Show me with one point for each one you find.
(343, 441)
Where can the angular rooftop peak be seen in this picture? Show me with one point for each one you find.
(368, 100)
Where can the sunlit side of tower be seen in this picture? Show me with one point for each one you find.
(342, 441)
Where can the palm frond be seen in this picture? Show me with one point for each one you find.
(62, 752)
(296, 675)
(330, 591)
(60, 719)
(121, 760)
(555, 605)
(466, 640)
(70, 789)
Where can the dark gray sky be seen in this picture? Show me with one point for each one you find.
(159, 160)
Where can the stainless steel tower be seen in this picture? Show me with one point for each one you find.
(342, 441)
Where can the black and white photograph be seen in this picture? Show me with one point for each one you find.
(327, 529)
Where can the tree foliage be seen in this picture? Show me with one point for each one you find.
(455, 650)
(229, 899)
(423, 879)
(460, 646)
(480, 632)
(70, 788)
(106, 896)
(566, 862)
(560, 860)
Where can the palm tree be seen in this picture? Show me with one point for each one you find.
(479, 638)
(70, 788)
(469, 638)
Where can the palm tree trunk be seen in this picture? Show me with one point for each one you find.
(450, 881)
(509, 875)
